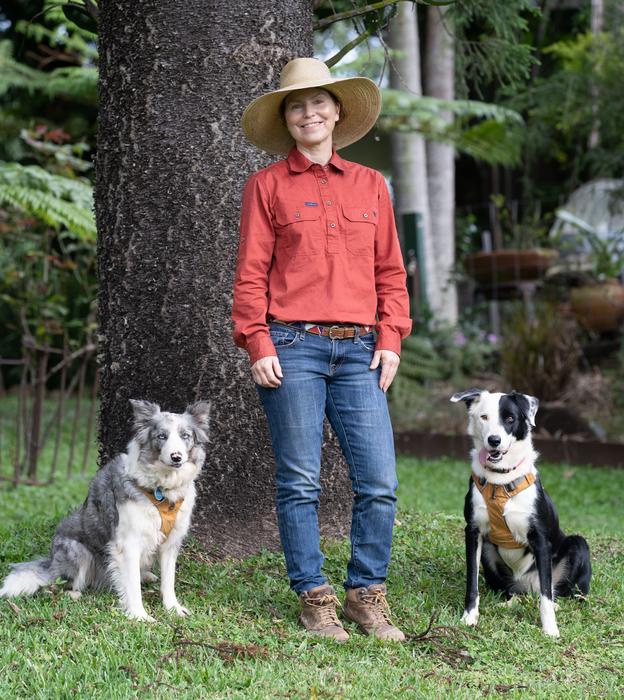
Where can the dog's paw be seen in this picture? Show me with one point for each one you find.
(509, 603)
(74, 595)
(471, 617)
(148, 577)
(140, 615)
(551, 630)
(179, 610)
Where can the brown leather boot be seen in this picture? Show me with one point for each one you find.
(369, 609)
(318, 613)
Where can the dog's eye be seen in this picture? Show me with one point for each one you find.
(483, 417)
(161, 436)
(186, 436)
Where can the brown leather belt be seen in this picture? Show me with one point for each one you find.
(334, 332)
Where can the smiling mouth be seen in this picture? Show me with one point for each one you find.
(495, 456)
(311, 125)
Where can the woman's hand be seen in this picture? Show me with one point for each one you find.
(267, 372)
(389, 366)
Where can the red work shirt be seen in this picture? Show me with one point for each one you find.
(318, 244)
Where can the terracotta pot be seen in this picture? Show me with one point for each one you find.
(510, 265)
(599, 307)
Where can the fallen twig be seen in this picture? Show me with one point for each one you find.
(439, 638)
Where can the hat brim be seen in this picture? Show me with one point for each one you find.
(360, 98)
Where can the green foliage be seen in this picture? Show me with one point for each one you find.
(575, 114)
(496, 136)
(539, 354)
(491, 43)
(54, 199)
(47, 285)
(607, 253)
(76, 83)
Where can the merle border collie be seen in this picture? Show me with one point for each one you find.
(512, 526)
(138, 506)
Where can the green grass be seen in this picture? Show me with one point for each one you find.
(243, 640)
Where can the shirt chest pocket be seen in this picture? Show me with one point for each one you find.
(360, 225)
(297, 229)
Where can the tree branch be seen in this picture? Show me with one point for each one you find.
(350, 46)
(371, 8)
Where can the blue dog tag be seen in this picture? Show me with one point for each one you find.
(158, 494)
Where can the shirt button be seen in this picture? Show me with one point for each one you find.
(332, 225)
(328, 202)
(297, 214)
(365, 215)
(323, 181)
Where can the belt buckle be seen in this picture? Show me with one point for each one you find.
(332, 337)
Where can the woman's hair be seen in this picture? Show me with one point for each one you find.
(282, 107)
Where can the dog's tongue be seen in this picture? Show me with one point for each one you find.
(483, 455)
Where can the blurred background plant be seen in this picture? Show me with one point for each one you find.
(48, 110)
(539, 351)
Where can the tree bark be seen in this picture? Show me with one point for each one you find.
(409, 160)
(440, 83)
(171, 165)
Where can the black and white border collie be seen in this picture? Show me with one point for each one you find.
(541, 559)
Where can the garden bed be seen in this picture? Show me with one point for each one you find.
(580, 452)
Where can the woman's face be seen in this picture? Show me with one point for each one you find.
(311, 116)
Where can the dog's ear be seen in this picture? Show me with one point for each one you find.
(467, 396)
(144, 411)
(200, 411)
(533, 406)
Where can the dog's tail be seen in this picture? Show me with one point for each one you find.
(27, 578)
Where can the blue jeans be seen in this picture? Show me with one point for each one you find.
(331, 377)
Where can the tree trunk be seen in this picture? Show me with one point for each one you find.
(440, 83)
(597, 26)
(409, 162)
(172, 161)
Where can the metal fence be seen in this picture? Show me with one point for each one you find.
(48, 413)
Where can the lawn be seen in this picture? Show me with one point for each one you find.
(243, 640)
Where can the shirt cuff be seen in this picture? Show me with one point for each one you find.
(260, 347)
(389, 340)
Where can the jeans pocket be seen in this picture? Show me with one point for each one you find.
(368, 341)
(283, 336)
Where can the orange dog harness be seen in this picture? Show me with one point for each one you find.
(496, 497)
(168, 511)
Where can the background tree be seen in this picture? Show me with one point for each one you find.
(440, 82)
(172, 162)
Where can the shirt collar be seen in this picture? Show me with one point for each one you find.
(298, 163)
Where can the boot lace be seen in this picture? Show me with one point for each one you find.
(327, 608)
(379, 605)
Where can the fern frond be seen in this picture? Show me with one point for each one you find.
(494, 138)
(78, 83)
(54, 199)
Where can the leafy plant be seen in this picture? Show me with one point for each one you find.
(539, 353)
(47, 284)
(484, 131)
(520, 231)
(607, 252)
(54, 199)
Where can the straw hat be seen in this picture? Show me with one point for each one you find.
(359, 97)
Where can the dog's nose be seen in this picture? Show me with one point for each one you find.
(176, 457)
(494, 440)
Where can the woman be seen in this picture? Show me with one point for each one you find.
(319, 268)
